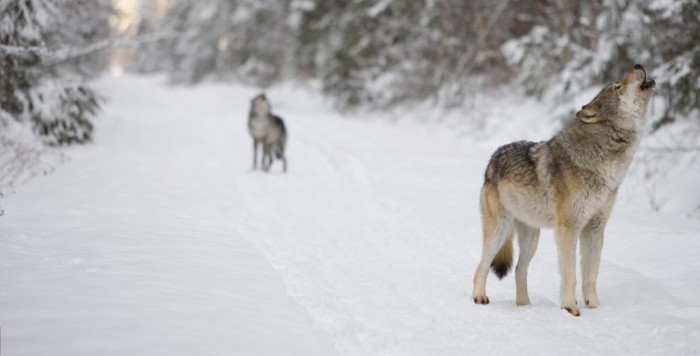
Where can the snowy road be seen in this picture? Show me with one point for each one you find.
(159, 239)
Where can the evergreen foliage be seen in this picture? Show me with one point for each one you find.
(377, 54)
(40, 78)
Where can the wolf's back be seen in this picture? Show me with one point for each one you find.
(282, 140)
(279, 125)
(511, 161)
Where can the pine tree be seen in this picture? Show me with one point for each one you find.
(246, 40)
(678, 47)
(42, 82)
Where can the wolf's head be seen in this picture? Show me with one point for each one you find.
(260, 105)
(624, 103)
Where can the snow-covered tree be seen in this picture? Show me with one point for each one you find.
(46, 51)
(678, 49)
(149, 57)
(579, 44)
(381, 53)
(42, 76)
(576, 45)
(243, 39)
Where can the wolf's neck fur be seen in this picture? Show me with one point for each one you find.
(261, 118)
(603, 149)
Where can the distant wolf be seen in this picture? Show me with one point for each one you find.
(267, 130)
(568, 183)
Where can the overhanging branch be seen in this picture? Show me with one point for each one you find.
(69, 55)
(52, 58)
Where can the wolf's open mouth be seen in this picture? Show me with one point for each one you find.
(646, 84)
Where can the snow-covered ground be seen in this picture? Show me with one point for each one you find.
(159, 239)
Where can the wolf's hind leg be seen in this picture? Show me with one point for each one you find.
(497, 228)
(566, 235)
(528, 238)
(280, 155)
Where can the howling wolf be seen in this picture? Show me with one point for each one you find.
(568, 183)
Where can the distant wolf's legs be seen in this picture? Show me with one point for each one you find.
(255, 153)
(497, 226)
(591, 246)
(267, 157)
(527, 240)
(279, 153)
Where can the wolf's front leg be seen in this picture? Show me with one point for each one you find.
(256, 143)
(566, 248)
(267, 157)
(591, 247)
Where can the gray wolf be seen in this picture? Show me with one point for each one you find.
(568, 183)
(267, 130)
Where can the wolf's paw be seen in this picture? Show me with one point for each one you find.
(522, 302)
(482, 299)
(572, 310)
(592, 303)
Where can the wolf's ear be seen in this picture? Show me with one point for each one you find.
(588, 115)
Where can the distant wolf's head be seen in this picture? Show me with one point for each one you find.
(624, 102)
(260, 105)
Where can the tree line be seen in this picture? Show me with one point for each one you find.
(377, 54)
(363, 53)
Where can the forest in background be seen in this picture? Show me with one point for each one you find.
(384, 53)
(364, 54)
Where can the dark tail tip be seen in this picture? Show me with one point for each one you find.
(501, 270)
(504, 259)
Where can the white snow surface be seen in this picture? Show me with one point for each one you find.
(159, 240)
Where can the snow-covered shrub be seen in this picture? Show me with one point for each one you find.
(62, 115)
(36, 48)
(42, 51)
(22, 156)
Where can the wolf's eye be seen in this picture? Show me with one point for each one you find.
(617, 86)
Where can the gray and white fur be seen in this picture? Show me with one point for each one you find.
(568, 183)
(267, 130)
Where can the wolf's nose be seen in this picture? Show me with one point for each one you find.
(638, 66)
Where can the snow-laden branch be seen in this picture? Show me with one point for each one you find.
(21, 51)
(63, 56)
(51, 58)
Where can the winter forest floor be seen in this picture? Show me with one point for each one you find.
(158, 239)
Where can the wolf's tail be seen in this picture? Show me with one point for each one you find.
(504, 258)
